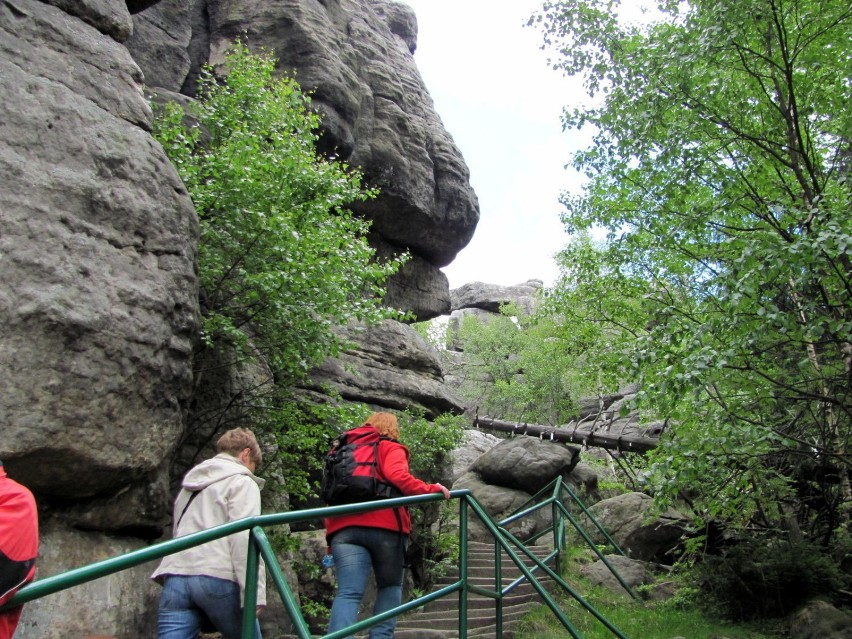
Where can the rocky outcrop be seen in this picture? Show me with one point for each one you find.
(634, 573)
(484, 301)
(127, 599)
(98, 240)
(526, 463)
(509, 473)
(640, 531)
(390, 366)
(820, 620)
(474, 444)
(356, 58)
(99, 297)
(490, 297)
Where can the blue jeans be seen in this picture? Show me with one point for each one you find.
(357, 550)
(187, 599)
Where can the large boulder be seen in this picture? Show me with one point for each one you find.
(499, 502)
(490, 297)
(509, 474)
(820, 620)
(98, 240)
(640, 531)
(633, 573)
(356, 59)
(474, 444)
(124, 603)
(99, 299)
(526, 463)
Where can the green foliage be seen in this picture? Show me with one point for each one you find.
(433, 545)
(300, 433)
(678, 616)
(281, 258)
(755, 579)
(523, 368)
(430, 442)
(720, 171)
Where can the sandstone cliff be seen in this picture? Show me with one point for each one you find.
(99, 297)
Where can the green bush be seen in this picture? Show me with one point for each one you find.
(433, 545)
(758, 579)
(281, 258)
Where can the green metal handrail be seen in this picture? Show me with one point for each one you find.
(259, 546)
(556, 488)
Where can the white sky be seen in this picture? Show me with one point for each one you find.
(501, 103)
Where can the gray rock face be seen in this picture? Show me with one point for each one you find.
(490, 297)
(820, 620)
(483, 301)
(355, 56)
(632, 571)
(98, 299)
(526, 463)
(506, 476)
(98, 238)
(391, 366)
(499, 502)
(474, 444)
(641, 535)
(123, 604)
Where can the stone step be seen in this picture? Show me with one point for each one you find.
(477, 616)
(478, 601)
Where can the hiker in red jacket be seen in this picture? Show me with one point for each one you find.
(375, 540)
(18, 546)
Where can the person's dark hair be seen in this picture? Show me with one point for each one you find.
(234, 441)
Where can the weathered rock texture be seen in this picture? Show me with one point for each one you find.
(123, 604)
(820, 620)
(634, 573)
(509, 473)
(641, 533)
(484, 301)
(97, 242)
(390, 366)
(356, 57)
(490, 297)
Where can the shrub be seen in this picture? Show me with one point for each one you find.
(281, 258)
(759, 579)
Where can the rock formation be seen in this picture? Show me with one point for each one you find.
(356, 59)
(390, 366)
(98, 241)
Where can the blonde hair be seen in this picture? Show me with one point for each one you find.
(385, 423)
(236, 440)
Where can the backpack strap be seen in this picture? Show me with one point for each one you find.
(194, 494)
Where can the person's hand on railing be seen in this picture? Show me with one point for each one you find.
(444, 491)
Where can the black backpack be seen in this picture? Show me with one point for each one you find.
(351, 472)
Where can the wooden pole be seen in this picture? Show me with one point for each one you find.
(624, 443)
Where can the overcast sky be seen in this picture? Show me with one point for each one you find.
(501, 103)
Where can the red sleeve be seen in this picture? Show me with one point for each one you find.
(18, 536)
(394, 467)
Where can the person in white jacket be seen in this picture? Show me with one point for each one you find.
(205, 585)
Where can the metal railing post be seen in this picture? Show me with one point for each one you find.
(463, 566)
(250, 601)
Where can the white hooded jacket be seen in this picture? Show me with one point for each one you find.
(226, 491)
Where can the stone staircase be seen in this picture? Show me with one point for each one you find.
(440, 619)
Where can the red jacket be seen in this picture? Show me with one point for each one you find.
(393, 469)
(18, 536)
